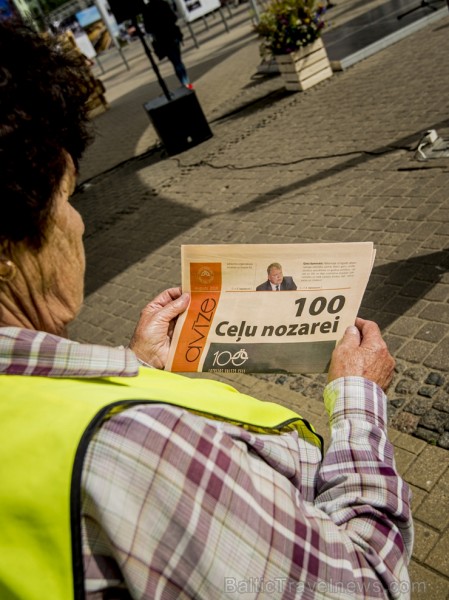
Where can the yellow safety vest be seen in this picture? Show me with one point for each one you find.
(46, 424)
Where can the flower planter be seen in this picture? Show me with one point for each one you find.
(305, 67)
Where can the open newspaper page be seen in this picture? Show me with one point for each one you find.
(260, 308)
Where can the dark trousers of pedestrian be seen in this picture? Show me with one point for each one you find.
(174, 56)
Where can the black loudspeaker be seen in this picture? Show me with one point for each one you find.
(179, 122)
(125, 10)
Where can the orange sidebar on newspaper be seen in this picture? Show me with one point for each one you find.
(267, 308)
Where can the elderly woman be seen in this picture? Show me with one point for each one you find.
(123, 481)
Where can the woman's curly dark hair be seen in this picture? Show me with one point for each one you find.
(43, 112)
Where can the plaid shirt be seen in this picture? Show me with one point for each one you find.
(179, 506)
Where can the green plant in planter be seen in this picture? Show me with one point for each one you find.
(287, 25)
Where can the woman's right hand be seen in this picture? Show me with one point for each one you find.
(362, 352)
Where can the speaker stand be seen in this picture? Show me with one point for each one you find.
(152, 61)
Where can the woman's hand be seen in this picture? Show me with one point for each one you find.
(152, 337)
(362, 353)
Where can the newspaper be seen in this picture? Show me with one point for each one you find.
(235, 324)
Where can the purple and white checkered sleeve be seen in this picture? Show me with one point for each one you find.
(358, 485)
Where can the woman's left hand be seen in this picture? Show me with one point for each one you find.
(152, 337)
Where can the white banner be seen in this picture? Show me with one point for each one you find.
(194, 9)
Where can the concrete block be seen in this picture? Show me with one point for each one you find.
(433, 509)
(438, 358)
(415, 352)
(418, 497)
(436, 312)
(425, 540)
(426, 584)
(408, 442)
(403, 460)
(428, 468)
(439, 557)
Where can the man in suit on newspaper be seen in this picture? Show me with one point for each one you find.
(276, 281)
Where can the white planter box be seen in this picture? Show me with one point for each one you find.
(305, 67)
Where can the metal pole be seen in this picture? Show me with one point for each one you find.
(223, 19)
(151, 59)
(256, 10)
(99, 64)
(105, 17)
(190, 28)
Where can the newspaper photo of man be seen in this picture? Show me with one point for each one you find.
(276, 281)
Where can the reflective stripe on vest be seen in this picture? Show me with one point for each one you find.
(46, 424)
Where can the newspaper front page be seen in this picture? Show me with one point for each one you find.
(267, 308)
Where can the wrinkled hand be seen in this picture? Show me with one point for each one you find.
(152, 337)
(362, 353)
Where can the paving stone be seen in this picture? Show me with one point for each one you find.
(405, 422)
(438, 358)
(426, 584)
(400, 367)
(423, 231)
(418, 497)
(425, 540)
(443, 440)
(408, 442)
(428, 435)
(419, 406)
(435, 420)
(405, 386)
(406, 326)
(314, 390)
(415, 352)
(392, 435)
(378, 297)
(435, 379)
(403, 459)
(430, 510)
(415, 288)
(441, 402)
(439, 558)
(298, 385)
(415, 373)
(393, 342)
(397, 402)
(436, 312)
(402, 250)
(439, 293)
(428, 468)
(427, 391)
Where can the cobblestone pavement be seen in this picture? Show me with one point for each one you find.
(333, 164)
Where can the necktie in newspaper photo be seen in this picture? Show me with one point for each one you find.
(277, 288)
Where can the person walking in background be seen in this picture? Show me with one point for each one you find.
(160, 21)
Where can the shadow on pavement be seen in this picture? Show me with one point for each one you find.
(243, 110)
(128, 223)
(271, 196)
(394, 288)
